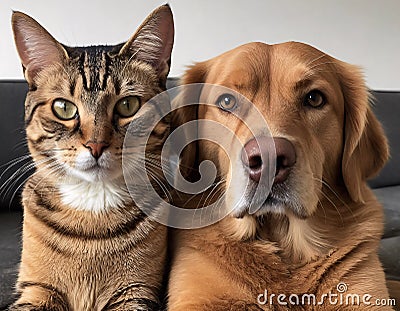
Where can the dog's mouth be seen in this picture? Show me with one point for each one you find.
(279, 200)
(270, 205)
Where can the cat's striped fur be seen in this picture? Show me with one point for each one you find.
(86, 245)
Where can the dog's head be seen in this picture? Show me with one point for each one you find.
(318, 112)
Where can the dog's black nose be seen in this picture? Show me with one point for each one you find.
(285, 159)
(254, 156)
(257, 150)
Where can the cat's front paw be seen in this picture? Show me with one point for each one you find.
(25, 307)
(134, 304)
(42, 307)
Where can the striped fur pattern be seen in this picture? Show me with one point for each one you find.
(86, 245)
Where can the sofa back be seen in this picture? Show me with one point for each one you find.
(12, 140)
(387, 109)
(13, 144)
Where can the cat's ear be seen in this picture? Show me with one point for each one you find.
(37, 49)
(153, 41)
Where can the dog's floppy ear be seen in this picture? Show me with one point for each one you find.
(189, 157)
(365, 144)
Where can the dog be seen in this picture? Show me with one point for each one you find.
(318, 225)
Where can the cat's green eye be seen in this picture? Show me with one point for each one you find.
(64, 110)
(128, 106)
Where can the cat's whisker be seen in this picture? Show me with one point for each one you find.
(136, 166)
(155, 162)
(10, 183)
(13, 163)
(154, 171)
(159, 182)
(51, 170)
(55, 171)
(21, 144)
(165, 169)
(22, 169)
(209, 196)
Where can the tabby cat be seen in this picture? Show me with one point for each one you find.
(86, 245)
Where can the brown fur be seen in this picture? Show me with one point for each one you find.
(98, 250)
(227, 265)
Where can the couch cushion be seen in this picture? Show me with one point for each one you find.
(387, 109)
(389, 256)
(390, 199)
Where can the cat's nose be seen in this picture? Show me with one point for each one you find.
(96, 148)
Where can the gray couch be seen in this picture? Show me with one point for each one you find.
(12, 94)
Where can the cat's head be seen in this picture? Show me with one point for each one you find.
(81, 100)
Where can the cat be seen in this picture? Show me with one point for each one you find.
(86, 245)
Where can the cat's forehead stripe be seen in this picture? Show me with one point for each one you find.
(103, 71)
(72, 86)
(86, 71)
(94, 68)
(81, 68)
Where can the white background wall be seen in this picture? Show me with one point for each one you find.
(363, 32)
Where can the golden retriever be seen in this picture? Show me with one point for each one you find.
(316, 234)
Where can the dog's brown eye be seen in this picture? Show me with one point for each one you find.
(314, 99)
(226, 102)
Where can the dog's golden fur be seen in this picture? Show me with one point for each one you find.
(335, 238)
